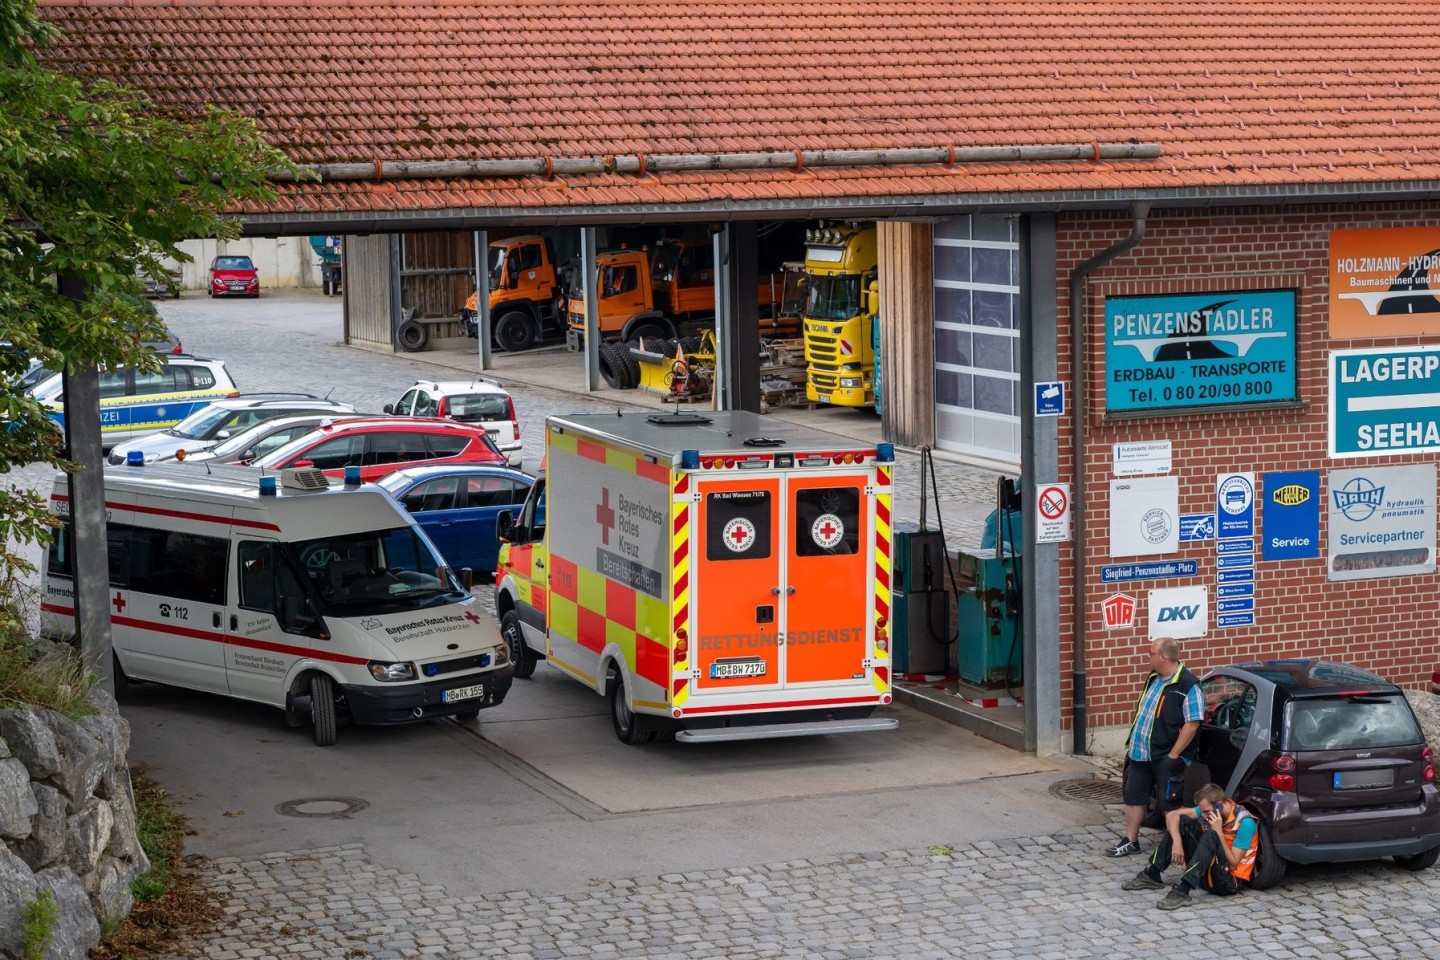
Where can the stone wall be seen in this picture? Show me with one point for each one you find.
(67, 824)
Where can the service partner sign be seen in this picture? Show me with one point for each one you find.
(1199, 350)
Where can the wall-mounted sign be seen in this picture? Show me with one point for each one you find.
(1179, 612)
(1049, 399)
(1384, 401)
(1152, 570)
(1119, 611)
(1384, 282)
(1382, 522)
(1144, 516)
(1292, 515)
(1199, 350)
(1052, 512)
(1145, 456)
(1235, 505)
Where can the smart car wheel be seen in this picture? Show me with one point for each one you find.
(520, 653)
(468, 715)
(1269, 865)
(1420, 861)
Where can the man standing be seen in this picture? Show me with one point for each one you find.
(1216, 841)
(1161, 742)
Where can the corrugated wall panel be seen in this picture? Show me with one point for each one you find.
(907, 341)
(367, 291)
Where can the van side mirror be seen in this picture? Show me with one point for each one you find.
(505, 526)
(467, 578)
(291, 617)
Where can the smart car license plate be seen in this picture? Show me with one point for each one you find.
(722, 669)
(1360, 779)
(462, 693)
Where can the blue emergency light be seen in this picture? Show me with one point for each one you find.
(885, 452)
(135, 458)
(352, 476)
(267, 486)
(689, 459)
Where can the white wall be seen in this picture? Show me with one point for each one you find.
(282, 262)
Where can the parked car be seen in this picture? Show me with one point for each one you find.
(260, 439)
(481, 401)
(232, 276)
(134, 403)
(1329, 757)
(167, 286)
(221, 420)
(456, 506)
(380, 445)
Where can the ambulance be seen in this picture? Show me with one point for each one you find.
(327, 602)
(716, 577)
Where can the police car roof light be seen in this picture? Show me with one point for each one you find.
(267, 486)
(352, 476)
(135, 458)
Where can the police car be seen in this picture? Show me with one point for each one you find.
(135, 402)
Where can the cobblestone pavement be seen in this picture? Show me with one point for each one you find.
(1051, 898)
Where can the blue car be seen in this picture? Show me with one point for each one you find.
(456, 506)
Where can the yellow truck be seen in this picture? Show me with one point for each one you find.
(842, 269)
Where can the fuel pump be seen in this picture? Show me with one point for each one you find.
(988, 598)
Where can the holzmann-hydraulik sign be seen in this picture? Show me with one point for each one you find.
(1199, 350)
(1384, 401)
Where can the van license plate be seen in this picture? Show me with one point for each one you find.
(1359, 779)
(462, 693)
(722, 669)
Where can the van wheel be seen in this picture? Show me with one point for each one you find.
(122, 682)
(521, 655)
(413, 336)
(1420, 861)
(322, 709)
(1269, 865)
(514, 332)
(628, 727)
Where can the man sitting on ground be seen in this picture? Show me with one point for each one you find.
(1215, 841)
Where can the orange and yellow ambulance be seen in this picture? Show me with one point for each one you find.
(717, 576)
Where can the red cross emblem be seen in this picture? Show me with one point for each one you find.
(827, 530)
(605, 516)
(119, 602)
(470, 615)
(739, 534)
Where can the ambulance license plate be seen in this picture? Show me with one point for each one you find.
(721, 669)
(462, 693)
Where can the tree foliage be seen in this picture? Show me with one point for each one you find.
(98, 185)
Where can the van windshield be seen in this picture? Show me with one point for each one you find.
(377, 571)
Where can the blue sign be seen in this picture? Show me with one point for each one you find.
(1235, 498)
(1049, 399)
(1384, 402)
(1226, 590)
(1199, 350)
(1233, 606)
(1197, 526)
(1234, 619)
(1157, 570)
(1234, 576)
(1235, 546)
(1292, 516)
(1235, 561)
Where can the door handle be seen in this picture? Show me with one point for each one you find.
(774, 591)
(540, 564)
(215, 619)
(234, 623)
(789, 591)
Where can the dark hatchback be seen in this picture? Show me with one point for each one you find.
(1329, 757)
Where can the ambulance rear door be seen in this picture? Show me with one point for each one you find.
(829, 584)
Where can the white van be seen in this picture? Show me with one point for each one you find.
(327, 602)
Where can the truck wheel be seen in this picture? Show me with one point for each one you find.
(1269, 865)
(612, 368)
(648, 330)
(629, 728)
(514, 332)
(413, 336)
(520, 653)
(322, 709)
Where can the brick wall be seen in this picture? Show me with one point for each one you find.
(1387, 625)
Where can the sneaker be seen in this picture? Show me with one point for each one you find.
(1124, 848)
(1175, 899)
(1142, 881)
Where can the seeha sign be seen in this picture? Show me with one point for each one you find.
(1385, 282)
(1199, 350)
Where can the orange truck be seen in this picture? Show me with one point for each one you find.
(666, 291)
(716, 577)
(525, 294)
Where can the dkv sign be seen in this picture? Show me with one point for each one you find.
(1179, 612)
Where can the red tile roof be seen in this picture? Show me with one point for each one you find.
(1244, 99)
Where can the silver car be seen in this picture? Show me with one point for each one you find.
(220, 421)
(264, 437)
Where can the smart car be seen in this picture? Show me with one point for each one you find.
(479, 401)
(457, 506)
(1329, 757)
(380, 445)
(220, 420)
(233, 276)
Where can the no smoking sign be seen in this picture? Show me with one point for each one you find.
(1052, 512)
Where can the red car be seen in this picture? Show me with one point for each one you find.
(378, 445)
(233, 276)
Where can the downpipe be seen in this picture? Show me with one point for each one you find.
(1080, 377)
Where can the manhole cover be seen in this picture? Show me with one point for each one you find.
(1088, 790)
(333, 808)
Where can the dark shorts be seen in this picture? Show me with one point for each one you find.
(1142, 776)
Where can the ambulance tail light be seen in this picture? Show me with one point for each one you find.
(391, 672)
(682, 645)
(1284, 776)
(882, 634)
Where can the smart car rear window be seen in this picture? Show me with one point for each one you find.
(1349, 723)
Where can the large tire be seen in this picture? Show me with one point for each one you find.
(612, 368)
(413, 336)
(648, 329)
(322, 709)
(514, 331)
(1269, 865)
(631, 729)
(627, 359)
(122, 682)
(1417, 862)
(521, 656)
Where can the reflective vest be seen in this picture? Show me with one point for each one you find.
(1230, 827)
